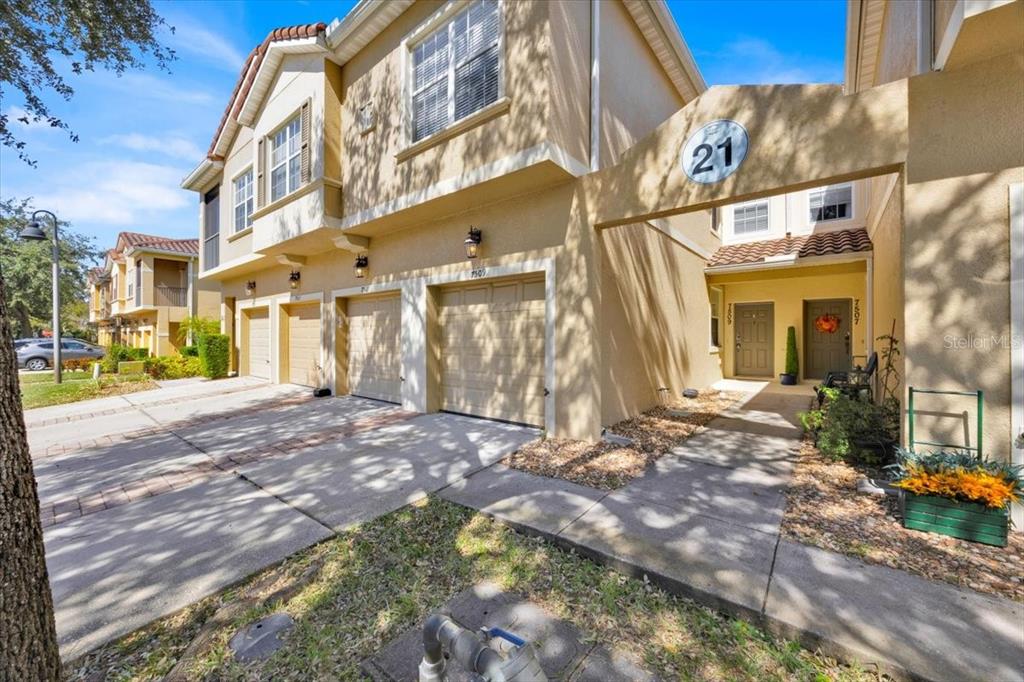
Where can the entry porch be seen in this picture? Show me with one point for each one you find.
(825, 298)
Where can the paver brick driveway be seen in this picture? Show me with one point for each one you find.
(151, 501)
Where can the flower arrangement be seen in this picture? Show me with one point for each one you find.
(826, 324)
(960, 476)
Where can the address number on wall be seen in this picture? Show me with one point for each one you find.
(714, 152)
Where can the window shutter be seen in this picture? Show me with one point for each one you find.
(304, 172)
(261, 161)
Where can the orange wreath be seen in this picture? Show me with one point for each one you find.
(827, 324)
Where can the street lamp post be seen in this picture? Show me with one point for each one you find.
(34, 232)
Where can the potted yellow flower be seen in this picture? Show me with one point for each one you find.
(956, 494)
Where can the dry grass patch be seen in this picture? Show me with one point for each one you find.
(364, 587)
(824, 509)
(609, 466)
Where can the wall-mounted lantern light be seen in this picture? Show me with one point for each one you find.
(293, 279)
(472, 242)
(250, 287)
(362, 264)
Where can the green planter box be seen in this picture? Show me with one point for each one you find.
(965, 520)
(131, 367)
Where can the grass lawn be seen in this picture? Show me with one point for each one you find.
(355, 592)
(38, 389)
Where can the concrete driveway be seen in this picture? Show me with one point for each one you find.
(151, 501)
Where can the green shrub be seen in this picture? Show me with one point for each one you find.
(173, 367)
(792, 364)
(857, 431)
(119, 353)
(198, 327)
(213, 354)
(189, 351)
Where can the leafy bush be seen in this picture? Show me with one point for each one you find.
(173, 367)
(77, 363)
(189, 351)
(213, 354)
(199, 327)
(959, 475)
(119, 353)
(856, 431)
(792, 364)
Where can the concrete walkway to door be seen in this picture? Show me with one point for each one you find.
(704, 522)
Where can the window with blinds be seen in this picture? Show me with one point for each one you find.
(750, 218)
(285, 160)
(831, 203)
(456, 70)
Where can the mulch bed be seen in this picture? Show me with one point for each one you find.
(609, 466)
(824, 509)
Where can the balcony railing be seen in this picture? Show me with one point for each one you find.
(211, 252)
(170, 296)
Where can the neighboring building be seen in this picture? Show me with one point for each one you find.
(353, 160)
(144, 289)
(788, 260)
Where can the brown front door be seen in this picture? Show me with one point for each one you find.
(826, 350)
(754, 322)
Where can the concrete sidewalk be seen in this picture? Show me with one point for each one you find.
(704, 522)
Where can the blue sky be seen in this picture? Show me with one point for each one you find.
(141, 133)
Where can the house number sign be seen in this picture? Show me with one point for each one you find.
(714, 152)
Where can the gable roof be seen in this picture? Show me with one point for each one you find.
(818, 244)
(131, 241)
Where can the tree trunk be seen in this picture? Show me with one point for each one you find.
(28, 643)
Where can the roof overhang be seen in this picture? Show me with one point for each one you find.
(363, 23)
(864, 19)
(202, 175)
(163, 252)
(248, 106)
(659, 28)
(777, 263)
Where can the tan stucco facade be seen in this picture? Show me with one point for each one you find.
(571, 183)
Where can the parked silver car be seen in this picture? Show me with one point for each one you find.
(39, 355)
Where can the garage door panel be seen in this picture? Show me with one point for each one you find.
(492, 350)
(375, 359)
(259, 343)
(304, 344)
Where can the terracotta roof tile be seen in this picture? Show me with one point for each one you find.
(818, 244)
(189, 247)
(252, 66)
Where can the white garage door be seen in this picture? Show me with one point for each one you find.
(259, 343)
(374, 352)
(304, 344)
(492, 350)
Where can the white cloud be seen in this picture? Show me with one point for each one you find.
(144, 85)
(172, 146)
(15, 114)
(212, 47)
(756, 61)
(116, 192)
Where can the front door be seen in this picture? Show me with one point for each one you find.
(754, 322)
(827, 334)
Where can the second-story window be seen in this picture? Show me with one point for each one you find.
(750, 218)
(285, 159)
(456, 70)
(831, 203)
(243, 201)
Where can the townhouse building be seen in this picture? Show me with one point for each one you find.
(490, 208)
(389, 207)
(146, 286)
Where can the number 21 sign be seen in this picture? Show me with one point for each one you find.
(714, 152)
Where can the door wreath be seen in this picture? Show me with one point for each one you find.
(826, 324)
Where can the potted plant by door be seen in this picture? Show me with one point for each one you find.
(788, 378)
(957, 494)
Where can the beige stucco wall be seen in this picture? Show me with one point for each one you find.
(655, 321)
(886, 232)
(636, 94)
(787, 289)
(897, 49)
(372, 175)
(956, 215)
